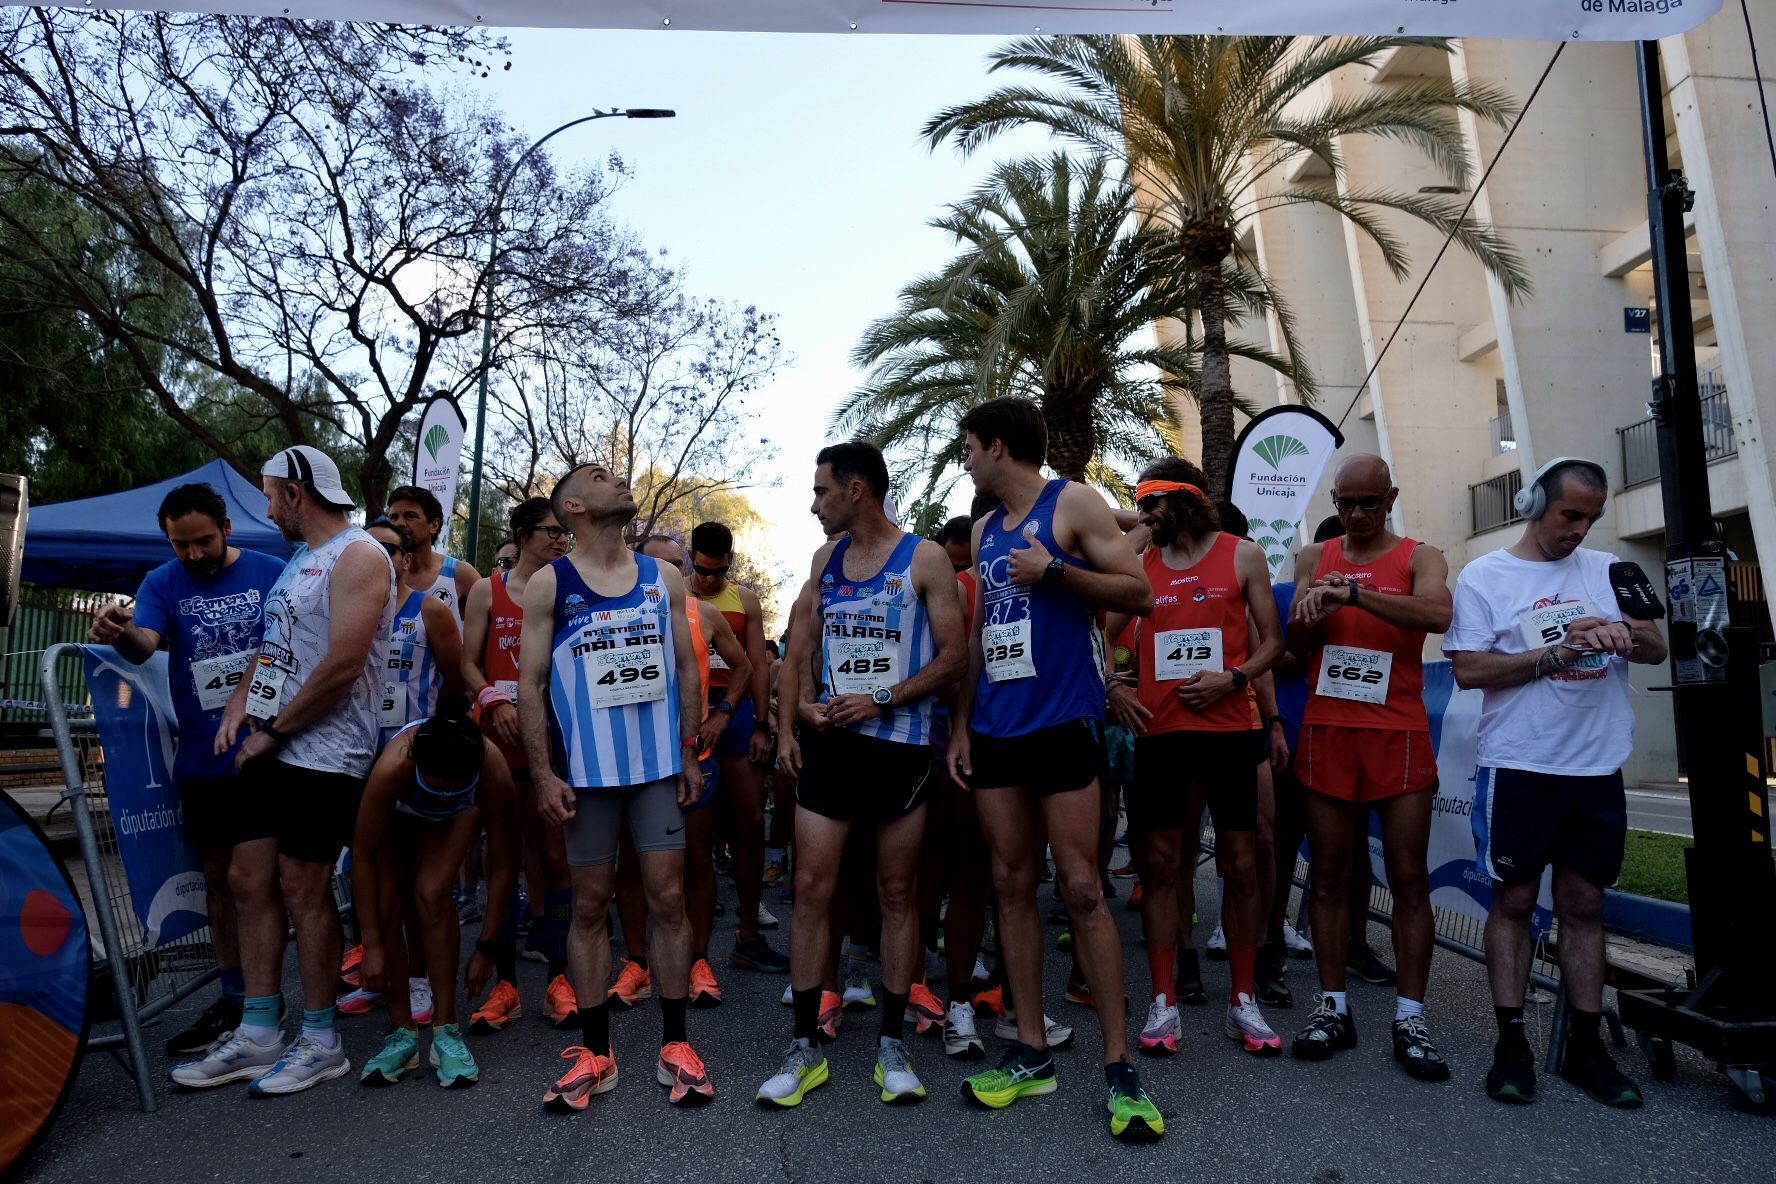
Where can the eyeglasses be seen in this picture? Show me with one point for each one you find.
(711, 571)
(1149, 503)
(557, 533)
(505, 563)
(1369, 505)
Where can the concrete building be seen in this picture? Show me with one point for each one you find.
(1477, 392)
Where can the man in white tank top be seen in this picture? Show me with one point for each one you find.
(449, 579)
(313, 696)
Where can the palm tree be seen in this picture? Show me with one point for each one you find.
(1052, 297)
(1200, 121)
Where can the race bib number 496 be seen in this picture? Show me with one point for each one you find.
(628, 675)
(1008, 651)
(1360, 676)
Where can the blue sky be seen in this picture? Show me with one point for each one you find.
(793, 178)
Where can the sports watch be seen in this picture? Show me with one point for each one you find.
(1055, 571)
(722, 705)
(1239, 678)
(883, 697)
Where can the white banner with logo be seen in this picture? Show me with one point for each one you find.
(1277, 464)
(437, 456)
(1540, 20)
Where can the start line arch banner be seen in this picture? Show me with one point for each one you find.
(1538, 20)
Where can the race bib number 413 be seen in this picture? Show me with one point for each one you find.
(1360, 676)
(1008, 651)
(1179, 654)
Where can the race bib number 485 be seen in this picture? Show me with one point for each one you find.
(1360, 676)
(1008, 651)
(862, 664)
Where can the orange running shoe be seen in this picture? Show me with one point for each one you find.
(350, 963)
(632, 986)
(590, 1074)
(683, 1070)
(923, 1010)
(705, 991)
(560, 1007)
(832, 1010)
(1133, 903)
(992, 999)
(502, 1007)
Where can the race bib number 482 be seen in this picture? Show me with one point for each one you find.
(214, 679)
(1008, 651)
(1357, 675)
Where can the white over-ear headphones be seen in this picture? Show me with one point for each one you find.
(1532, 500)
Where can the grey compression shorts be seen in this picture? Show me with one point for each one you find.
(651, 809)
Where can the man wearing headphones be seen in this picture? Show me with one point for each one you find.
(1538, 627)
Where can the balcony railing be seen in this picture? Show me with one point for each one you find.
(1490, 501)
(1640, 441)
(1504, 436)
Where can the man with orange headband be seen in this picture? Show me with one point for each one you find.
(1196, 727)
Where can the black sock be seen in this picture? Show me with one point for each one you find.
(893, 1013)
(557, 966)
(1510, 1022)
(672, 1020)
(1584, 1025)
(640, 960)
(595, 1029)
(807, 1014)
(699, 956)
(505, 962)
(1189, 970)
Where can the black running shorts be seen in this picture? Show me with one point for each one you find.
(1224, 764)
(310, 813)
(854, 778)
(1524, 821)
(1057, 759)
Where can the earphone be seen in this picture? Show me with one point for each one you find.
(1532, 500)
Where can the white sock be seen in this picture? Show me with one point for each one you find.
(1340, 1003)
(258, 1035)
(1163, 999)
(885, 1041)
(1405, 1009)
(327, 1037)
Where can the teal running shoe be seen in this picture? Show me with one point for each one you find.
(398, 1056)
(450, 1056)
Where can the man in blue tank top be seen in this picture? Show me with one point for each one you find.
(886, 623)
(1028, 729)
(608, 705)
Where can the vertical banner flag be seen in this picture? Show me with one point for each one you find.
(1277, 464)
(138, 731)
(438, 454)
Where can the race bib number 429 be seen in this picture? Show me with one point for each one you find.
(266, 691)
(1357, 675)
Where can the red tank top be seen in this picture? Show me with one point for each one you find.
(1198, 623)
(1368, 653)
(499, 659)
(966, 578)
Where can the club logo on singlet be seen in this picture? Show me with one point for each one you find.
(573, 602)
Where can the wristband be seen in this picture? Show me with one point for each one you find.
(269, 728)
(491, 694)
(1350, 597)
(1276, 721)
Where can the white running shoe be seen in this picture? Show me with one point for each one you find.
(1216, 947)
(306, 1063)
(419, 998)
(1245, 1023)
(859, 995)
(233, 1057)
(1298, 946)
(359, 1002)
(1059, 1034)
(1160, 1036)
(980, 970)
(960, 1037)
(894, 1074)
(788, 996)
(765, 919)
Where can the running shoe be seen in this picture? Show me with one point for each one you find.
(1137, 897)
(536, 945)
(1298, 946)
(1272, 990)
(1367, 965)
(832, 1011)
(233, 1057)
(560, 1007)
(1190, 992)
(398, 1056)
(218, 1019)
(990, 999)
(705, 991)
(1419, 1056)
(633, 985)
(682, 1071)
(788, 995)
(305, 1064)
(1065, 940)
(450, 1057)
(1216, 947)
(1059, 1035)
(1589, 1066)
(1512, 1077)
(765, 919)
(1021, 1072)
(588, 1074)
(1080, 992)
(1245, 1023)
(350, 963)
(1132, 1113)
(359, 1002)
(895, 1076)
(1327, 1032)
(923, 1011)
(961, 1039)
(804, 1069)
(755, 953)
(419, 998)
(859, 995)
(1160, 1037)
(980, 973)
(774, 873)
(502, 1007)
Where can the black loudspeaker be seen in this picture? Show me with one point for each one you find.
(14, 509)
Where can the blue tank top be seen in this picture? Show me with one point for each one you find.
(875, 633)
(417, 803)
(613, 681)
(411, 680)
(1044, 656)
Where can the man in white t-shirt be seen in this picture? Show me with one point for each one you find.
(1537, 628)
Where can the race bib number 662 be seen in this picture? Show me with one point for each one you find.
(1357, 675)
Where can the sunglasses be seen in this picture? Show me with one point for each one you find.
(505, 563)
(393, 549)
(711, 571)
(1149, 503)
(1369, 505)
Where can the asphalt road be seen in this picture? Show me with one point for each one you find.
(1231, 1117)
(1664, 813)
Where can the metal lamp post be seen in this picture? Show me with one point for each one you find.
(499, 201)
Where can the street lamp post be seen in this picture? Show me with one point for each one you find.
(499, 202)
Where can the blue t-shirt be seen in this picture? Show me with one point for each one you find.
(211, 625)
(1291, 693)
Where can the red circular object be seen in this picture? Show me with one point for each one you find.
(43, 922)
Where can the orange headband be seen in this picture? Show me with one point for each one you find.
(1147, 487)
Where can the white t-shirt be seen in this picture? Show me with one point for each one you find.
(1576, 723)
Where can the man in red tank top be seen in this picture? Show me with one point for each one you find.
(1363, 606)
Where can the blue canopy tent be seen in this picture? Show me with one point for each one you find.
(108, 543)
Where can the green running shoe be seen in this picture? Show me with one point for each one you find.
(451, 1058)
(1132, 1113)
(398, 1056)
(1021, 1072)
(804, 1068)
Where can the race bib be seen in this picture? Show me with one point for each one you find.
(1360, 676)
(628, 675)
(394, 705)
(266, 692)
(862, 664)
(715, 661)
(1546, 626)
(214, 679)
(509, 688)
(1179, 654)
(1009, 651)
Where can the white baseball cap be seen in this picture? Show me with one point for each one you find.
(312, 467)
